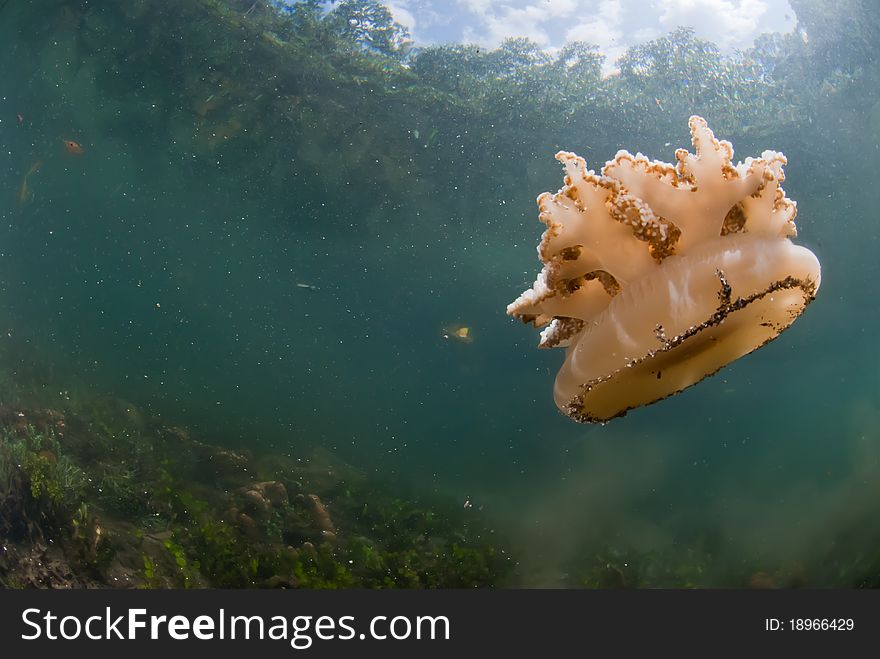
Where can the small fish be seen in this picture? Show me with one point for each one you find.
(73, 147)
(24, 192)
(311, 287)
(458, 332)
(20, 118)
(35, 167)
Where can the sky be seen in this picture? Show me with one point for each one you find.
(612, 25)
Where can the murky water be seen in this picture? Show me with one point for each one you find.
(275, 282)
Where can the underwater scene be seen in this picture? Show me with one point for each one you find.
(279, 308)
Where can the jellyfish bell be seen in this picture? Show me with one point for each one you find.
(707, 310)
(657, 275)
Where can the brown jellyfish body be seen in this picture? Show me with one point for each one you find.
(656, 276)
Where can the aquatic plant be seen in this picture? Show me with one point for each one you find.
(49, 473)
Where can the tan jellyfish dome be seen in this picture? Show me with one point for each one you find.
(656, 276)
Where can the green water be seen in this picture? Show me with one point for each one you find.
(269, 258)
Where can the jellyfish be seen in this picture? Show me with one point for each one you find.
(656, 276)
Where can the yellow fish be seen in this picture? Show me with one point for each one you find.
(458, 332)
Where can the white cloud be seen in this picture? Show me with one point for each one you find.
(522, 22)
(504, 21)
(494, 21)
(554, 8)
(612, 25)
(402, 14)
(645, 34)
(601, 29)
(479, 7)
(728, 23)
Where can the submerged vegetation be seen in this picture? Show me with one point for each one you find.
(161, 509)
(93, 494)
(338, 116)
